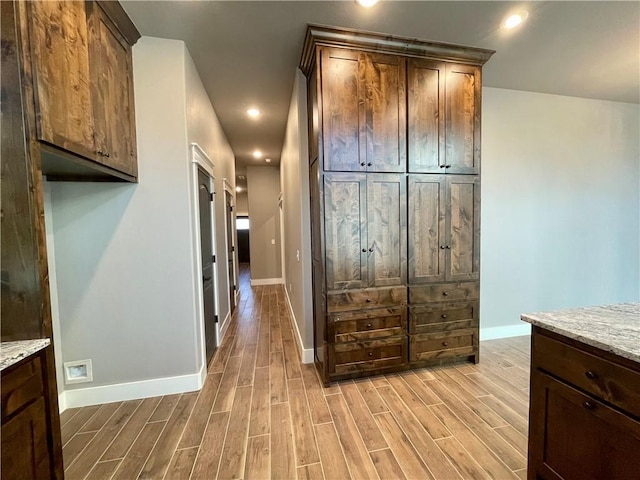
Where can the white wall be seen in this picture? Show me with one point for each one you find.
(123, 252)
(560, 204)
(294, 179)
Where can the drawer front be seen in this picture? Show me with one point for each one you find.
(443, 317)
(367, 324)
(346, 300)
(613, 383)
(21, 386)
(444, 292)
(456, 343)
(368, 355)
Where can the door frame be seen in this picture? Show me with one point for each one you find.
(228, 188)
(283, 271)
(201, 161)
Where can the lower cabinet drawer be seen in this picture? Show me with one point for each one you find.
(368, 355)
(430, 346)
(367, 324)
(444, 292)
(21, 385)
(443, 317)
(345, 300)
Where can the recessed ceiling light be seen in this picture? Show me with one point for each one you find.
(268, 160)
(366, 3)
(512, 21)
(257, 154)
(253, 112)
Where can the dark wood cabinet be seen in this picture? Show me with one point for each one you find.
(584, 411)
(391, 228)
(78, 56)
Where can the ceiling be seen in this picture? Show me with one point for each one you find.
(246, 52)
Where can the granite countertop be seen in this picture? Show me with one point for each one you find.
(13, 352)
(614, 328)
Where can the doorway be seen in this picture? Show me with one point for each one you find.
(231, 266)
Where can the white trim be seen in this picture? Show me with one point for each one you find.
(62, 402)
(228, 188)
(225, 326)
(266, 281)
(306, 353)
(207, 163)
(493, 333)
(121, 392)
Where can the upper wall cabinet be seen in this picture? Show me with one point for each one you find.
(78, 55)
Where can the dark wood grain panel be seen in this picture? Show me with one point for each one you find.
(462, 112)
(386, 229)
(450, 344)
(442, 317)
(382, 79)
(463, 229)
(427, 228)
(345, 230)
(368, 355)
(60, 59)
(444, 292)
(425, 100)
(366, 298)
(341, 110)
(367, 324)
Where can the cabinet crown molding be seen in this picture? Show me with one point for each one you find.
(380, 42)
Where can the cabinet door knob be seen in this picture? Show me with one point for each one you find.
(368, 300)
(445, 344)
(362, 164)
(107, 154)
(589, 405)
(442, 247)
(371, 249)
(369, 164)
(443, 316)
(369, 325)
(448, 247)
(447, 166)
(445, 294)
(371, 354)
(590, 374)
(442, 166)
(364, 250)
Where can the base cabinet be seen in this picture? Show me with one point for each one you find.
(583, 412)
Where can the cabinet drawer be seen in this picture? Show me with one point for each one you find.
(21, 386)
(443, 317)
(456, 343)
(613, 383)
(366, 298)
(368, 324)
(444, 292)
(368, 355)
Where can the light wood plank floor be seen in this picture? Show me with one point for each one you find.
(262, 414)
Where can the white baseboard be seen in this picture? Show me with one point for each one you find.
(120, 392)
(62, 402)
(266, 281)
(306, 353)
(493, 333)
(224, 327)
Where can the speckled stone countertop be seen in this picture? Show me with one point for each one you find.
(614, 328)
(13, 352)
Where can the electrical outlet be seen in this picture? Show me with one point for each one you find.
(273, 241)
(80, 371)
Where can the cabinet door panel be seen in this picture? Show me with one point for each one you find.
(383, 81)
(345, 230)
(387, 229)
(426, 116)
(463, 242)
(113, 93)
(426, 228)
(341, 110)
(60, 58)
(463, 119)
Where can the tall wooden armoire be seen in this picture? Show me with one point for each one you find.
(394, 165)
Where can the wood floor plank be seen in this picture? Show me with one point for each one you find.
(332, 458)
(221, 355)
(96, 447)
(181, 464)
(263, 355)
(75, 446)
(472, 389)
(374, 403)
(101, 417)
(160, 456)
(420, 387)
(387, 465)
(245, 376)
(258, 458)
(208, 459)
(139, 452)
(514, 438)
(415, 405)
(517, 421)
(103, 470)
(68, 414)
(460, 458)
(409, 460)
(226, 391)
(522, 474)
(283, 464)
(277, 378)
(194, 430)
(355, 451)
(431, 454)
(304, 439)
(310, 472)
(276, 338)
(124, 440)
(315, 396)
(235, 444)
(367, 426)
(259, 423)
(291, 359)
(74, 425)
(165, 408)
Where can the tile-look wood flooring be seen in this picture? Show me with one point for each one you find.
(262, 414)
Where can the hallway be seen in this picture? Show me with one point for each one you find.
(262, 414)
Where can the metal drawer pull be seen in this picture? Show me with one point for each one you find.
(591, 374)
(369, 325)
(589, 405)
(443, 316)
(445, 344)
(368, 300)
(445, 293)
(371, 354)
